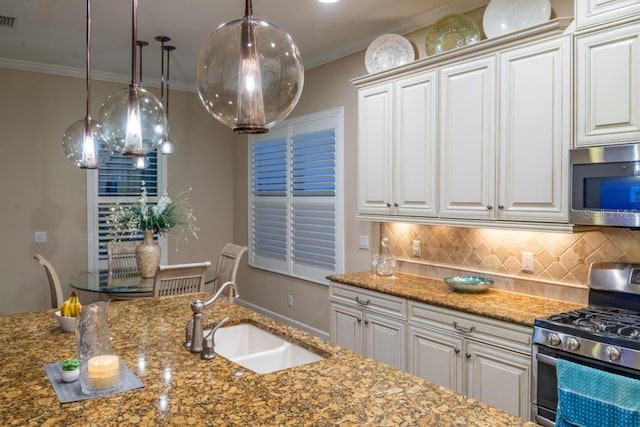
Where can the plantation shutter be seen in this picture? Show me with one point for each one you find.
(295, 209)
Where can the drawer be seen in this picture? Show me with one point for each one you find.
(373, 301)
(482, 329)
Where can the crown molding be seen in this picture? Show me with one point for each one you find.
(59, 70)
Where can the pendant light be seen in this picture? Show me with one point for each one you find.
(166, 147)
(134, 117)
(249, 74)
(85, 142)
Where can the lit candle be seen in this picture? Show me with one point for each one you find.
(103, 371)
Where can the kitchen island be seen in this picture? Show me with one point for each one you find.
(181, 389)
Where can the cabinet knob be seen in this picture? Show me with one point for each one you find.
(396, 204)
(457, 350)
(489, 207)
(388, 204)
(366, 322)
(467, 355)
(359, 319)
(500, 206)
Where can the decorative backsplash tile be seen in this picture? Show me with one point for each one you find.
(558, 258)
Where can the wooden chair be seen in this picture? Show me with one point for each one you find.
(121, 259)
(54, 281)
(180, 279)
(228, 263)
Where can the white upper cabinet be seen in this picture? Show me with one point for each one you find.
(467, 139)
(595, 12)
(608, 86)
(396, 147)
(535, 131)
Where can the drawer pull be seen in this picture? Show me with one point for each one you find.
(463, 329)
(367, 302)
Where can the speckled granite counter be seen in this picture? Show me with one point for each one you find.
(181, 389)
(494, 303)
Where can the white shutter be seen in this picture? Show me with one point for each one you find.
(295, 211)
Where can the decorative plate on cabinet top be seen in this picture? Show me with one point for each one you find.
(451, 32)
(469, 284)
(388, 51)
(505, 16)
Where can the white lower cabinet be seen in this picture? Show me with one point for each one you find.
(369, 323)
(485, 359)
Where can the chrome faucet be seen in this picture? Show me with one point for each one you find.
(209, 342)
(198, 306)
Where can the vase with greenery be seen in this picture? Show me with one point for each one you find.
(128, 222)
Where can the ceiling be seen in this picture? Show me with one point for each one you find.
(52, 32)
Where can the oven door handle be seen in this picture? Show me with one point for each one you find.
(548, 360)
(544, 422)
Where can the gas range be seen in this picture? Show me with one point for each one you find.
(608, 333)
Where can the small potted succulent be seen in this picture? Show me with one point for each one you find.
(70, 370)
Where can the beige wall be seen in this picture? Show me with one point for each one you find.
(42, 191)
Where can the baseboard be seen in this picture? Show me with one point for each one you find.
(284, 319)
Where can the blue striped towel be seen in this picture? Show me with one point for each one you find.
(589, 397)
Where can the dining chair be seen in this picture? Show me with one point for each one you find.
(180, 279)
(121, 259)
(54, 281)
(228, 263)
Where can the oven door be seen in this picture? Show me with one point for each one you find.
(544, 383)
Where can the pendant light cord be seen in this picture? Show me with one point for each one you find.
(88, 59)
(248, 8)
(134, 18)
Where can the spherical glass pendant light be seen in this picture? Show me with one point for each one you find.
(249, 74)
(86, 144)
(85, 141)
(133, 116)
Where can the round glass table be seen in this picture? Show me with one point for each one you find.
(121, 286)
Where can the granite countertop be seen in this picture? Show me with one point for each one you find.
(494, 303)
(181, 389)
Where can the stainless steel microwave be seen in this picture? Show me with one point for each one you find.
(605, 186)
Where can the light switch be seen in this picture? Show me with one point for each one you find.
(363, 242)
(40, 237)
(417, 248)
(527, 262)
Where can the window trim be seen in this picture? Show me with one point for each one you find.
(298, 270)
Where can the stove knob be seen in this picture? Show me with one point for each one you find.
(573, 344)
(613, 353)
(553, 340)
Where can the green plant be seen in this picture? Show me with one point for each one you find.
(168, 213)
(70, 364)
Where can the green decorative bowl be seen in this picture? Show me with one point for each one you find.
(469, 284)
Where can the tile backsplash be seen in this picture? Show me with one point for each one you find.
(559, 259)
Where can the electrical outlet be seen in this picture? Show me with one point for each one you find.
(417, 248)
(363, 242)
(40, 236)
(527, 262)
(290, 300)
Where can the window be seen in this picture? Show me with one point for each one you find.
(118, 182)
(295, 198)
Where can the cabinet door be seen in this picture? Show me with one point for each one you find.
(467, 139)
(346, 327)
(608, 86)
(374, 149)
(535, 132)
(498, 377)
(436, 357)
(414, 166)
(384, 339)
(592, 12)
